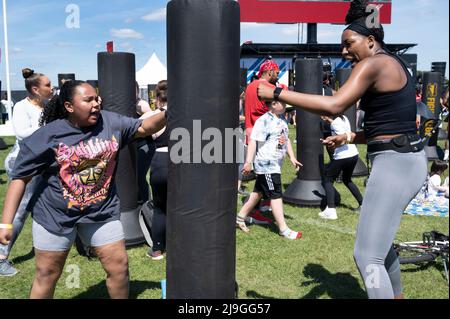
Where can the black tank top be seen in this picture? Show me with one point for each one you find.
(163, 139)
(390, 113)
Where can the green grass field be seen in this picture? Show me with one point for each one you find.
(320, 265)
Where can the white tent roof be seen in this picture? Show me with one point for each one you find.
(152, 72)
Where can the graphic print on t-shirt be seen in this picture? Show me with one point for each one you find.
(86, 170)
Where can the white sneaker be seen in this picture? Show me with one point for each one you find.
(328, 213)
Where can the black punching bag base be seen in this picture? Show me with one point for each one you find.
(431, 152)
(304, 193)
(360, 169)
(131, 227)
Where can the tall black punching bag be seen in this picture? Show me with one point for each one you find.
(203, 76)
(342, 76)
(117, 88)
(431, 93)
(307, 189)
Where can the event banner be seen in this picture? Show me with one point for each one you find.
(306, 11)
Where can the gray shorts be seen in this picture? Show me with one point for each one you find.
(94, 235)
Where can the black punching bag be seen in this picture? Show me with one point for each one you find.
(342, 76)
(307, 189)
(203, 74)
(62, 77)
(431, 93)
(117, 88)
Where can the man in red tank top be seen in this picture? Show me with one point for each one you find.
(254, 107)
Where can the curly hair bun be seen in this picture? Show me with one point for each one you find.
(26, 73)
(357, 11)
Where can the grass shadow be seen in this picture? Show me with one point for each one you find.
(336, 286)
(425, 266)
(23, 258)
(253, 294)
(99, 291)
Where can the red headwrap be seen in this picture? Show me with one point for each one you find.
(266, 66)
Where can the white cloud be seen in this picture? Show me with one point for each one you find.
(17, 50)
(126, 34)
(156, 15)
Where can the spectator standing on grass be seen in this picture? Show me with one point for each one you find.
(159, 171)
(25, 122)
(145, 151)
(5, 105)
(272, 134)
(255, 108)
(343, 160)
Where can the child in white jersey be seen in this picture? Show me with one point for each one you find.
(25, 122)
(271, 134)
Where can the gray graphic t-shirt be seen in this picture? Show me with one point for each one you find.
(75, 168)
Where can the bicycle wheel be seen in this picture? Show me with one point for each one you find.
(413, 255)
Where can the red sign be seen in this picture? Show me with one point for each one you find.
(110, 46)
(305, 11)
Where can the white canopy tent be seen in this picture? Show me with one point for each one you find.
(151, 73)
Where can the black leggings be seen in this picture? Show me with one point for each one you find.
(158, 181)
(346, 166)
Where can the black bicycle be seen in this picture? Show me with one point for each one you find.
(434, 246)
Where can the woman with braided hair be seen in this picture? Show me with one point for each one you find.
(74, 156)
(25, 122)
(384, 85)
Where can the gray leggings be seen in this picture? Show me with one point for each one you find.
(394, 181)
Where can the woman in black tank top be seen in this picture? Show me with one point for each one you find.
(383, 84)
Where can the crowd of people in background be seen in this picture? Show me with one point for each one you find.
(266, 141)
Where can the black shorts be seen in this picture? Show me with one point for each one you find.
(269, 185)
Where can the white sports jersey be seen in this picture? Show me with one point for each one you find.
(267, 132)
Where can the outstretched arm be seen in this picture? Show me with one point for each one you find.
(361, 79)
(151, 125)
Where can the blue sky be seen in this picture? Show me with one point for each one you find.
(39, 38)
